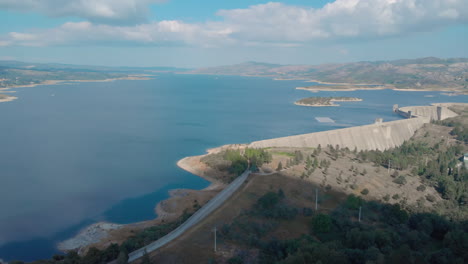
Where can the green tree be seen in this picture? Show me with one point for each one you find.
(322, 223)
(280, 166)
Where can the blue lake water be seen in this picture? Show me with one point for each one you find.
(74, 154)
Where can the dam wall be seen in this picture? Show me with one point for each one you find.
(379, 136)
(434, 112)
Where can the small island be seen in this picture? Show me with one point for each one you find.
(325, 101)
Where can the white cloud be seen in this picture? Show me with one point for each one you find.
(343, 19)
(167, 32)
(102, 11)
(272, 24)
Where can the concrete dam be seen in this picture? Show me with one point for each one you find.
(377, 136)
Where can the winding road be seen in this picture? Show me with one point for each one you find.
(196, 218)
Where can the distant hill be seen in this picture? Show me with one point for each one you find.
(71, 67)
(423, 73)
(14, 73)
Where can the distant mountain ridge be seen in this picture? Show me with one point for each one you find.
(64, 67)
(16, 73)
(422, 73)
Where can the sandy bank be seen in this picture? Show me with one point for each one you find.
(344, 89)
(195, 166)
(352, 88)
(8, 99)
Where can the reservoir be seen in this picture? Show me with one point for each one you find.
(74, 154)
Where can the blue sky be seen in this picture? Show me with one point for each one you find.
(190, 33)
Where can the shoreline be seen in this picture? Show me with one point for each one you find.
(166, 210)
(350, 84)
(352, 89)
(344, 89)
(55, 82)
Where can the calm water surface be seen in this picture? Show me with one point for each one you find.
(71, 155)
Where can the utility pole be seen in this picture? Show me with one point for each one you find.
(215, 238)
(360, 207)
(316, 199)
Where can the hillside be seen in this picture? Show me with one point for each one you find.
(16, 73)
(424, 73)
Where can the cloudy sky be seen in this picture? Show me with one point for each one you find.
(196, 33)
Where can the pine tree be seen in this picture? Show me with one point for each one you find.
(280, 166)
(308, 163)
(316, 163)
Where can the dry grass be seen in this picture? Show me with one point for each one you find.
(196, 246)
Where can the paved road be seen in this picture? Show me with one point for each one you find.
(203, 212)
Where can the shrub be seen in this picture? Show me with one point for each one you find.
(430, 198)
(386, 197)
(322, 223)
(421, 188)
(401, 180)
(396, 196)
(353, 202)
(365, 192)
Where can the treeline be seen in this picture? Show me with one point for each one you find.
(386, 234)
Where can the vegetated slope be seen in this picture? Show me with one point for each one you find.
(413, 202)
(273, 219)
(425, 73)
